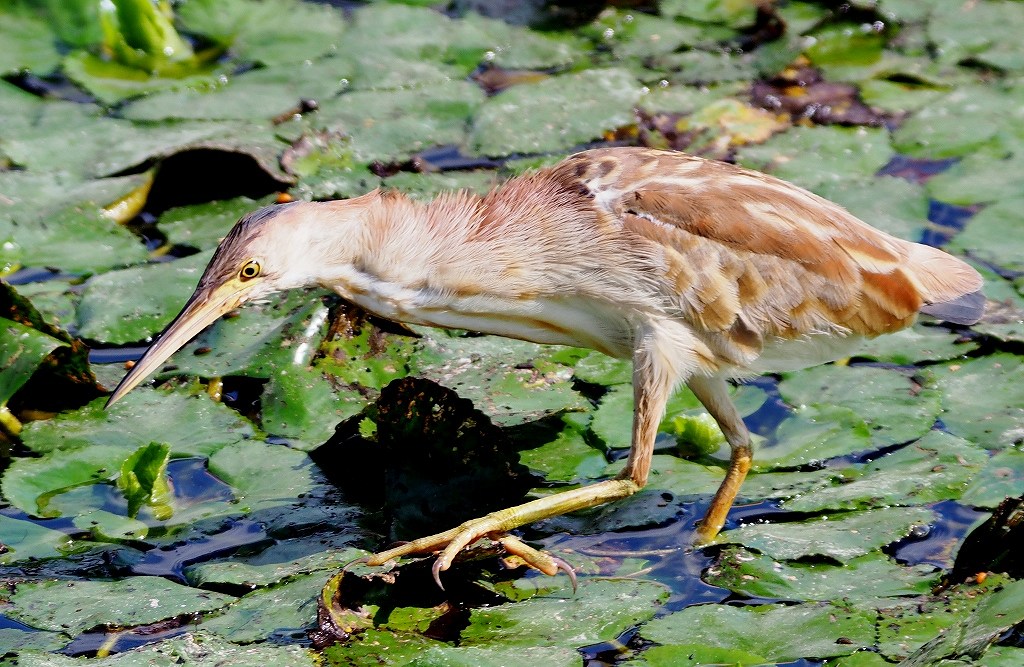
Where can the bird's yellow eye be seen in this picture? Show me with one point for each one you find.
(249, 270)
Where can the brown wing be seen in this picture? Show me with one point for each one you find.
(751, 256)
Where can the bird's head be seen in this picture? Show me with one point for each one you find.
(270, 250)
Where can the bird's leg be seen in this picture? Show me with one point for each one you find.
(713, 392)
(655, 374)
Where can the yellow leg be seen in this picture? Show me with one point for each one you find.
(713, 392)
(654, 376)
(451, 542)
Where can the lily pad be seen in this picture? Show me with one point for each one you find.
(22, 349)
(132, 304)
(894, 408)
(393, 125)
(202, 226)
(939, 466)
(839, 538)
(600, 611)
(192, 425)
(196, 649)
(283, 560)
(970, 118)
(139, 601)
(983, 399)
(29, 44)
(512, 381)
(286, 609)
(916, 344)
(992, 235)
(1001, 478)
(27, 540)
(970, 637)
(271, 32)
(575, 107)
(777, 633)
(862, 578)
(33, 485)
(815, 157)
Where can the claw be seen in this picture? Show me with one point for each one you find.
(436, 570)
(565, 567)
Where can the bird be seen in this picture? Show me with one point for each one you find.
(699, 271)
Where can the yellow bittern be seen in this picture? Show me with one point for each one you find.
(699, 271)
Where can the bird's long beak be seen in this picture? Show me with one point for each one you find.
(201, 310)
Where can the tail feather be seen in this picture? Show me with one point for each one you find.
(966, 309)
(950, 287)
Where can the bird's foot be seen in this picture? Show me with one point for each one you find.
(451, 542)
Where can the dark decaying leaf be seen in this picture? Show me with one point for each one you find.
(434, 459)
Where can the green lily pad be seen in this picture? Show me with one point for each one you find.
(22, 349)
(778, 633)
(575, 107)
(814, 433)
(29, 44)
(139, 601)
(271, 32)
(33, 485)
(983, 399)
(640, 35)
(894, 408)
(263, 476)
(288, 608)
(683, 655)
(512, 381)
(195, 649)
(130, 305)
(1001, 478)
(192, 425)
(939, 466)
(969, 119)
(732, 14)
(814, 157)
(992, 235)
(599, 611)
(916, 344)
(494, 656)
(840, 538)
(909, 625)
(979, 178)
(278, 89)
(111, 82)
(27, 540)
(109, 527)
(568, 457)
(981, 33)
(283, 560)
(862, 578)
(202, 226)
(393, 125)
(57, 220)
(970, 637)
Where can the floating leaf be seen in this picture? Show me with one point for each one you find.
(840, 538)
(131, 601)
(862, 578)
(777, 633)
(192, 425)
(575, 107)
